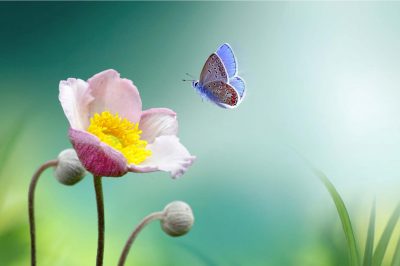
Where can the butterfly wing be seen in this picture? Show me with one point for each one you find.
(213, 70)
(240, 86)
(222, 94)
(228, 58)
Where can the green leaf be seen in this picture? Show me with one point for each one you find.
(396, 256)
(385, 238)
(369, 245)
(344, 218)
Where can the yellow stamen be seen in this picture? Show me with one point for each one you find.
(120, 134)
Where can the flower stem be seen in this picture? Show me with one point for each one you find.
(31, 205)
(100, 213)
(149, 218)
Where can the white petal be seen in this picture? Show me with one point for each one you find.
(169, 155)
(116, 95)
(75, 98)
(157, 122)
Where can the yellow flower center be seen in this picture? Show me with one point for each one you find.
(120, 134)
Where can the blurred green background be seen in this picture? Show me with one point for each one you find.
(323, 82)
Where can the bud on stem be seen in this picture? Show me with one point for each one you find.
(69, 170)
(176, 220)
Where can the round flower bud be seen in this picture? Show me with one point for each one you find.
(177, 218)
(69, 169)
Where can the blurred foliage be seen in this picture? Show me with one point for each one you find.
(13, 242)
(14, 248)
(371, 256)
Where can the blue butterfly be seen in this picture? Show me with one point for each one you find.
(219, 81)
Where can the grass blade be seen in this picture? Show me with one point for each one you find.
(369, 245)
(344, 218)
(385, 238)
(396, 256)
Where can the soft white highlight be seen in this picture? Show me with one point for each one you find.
(169, 155)
(75, 98)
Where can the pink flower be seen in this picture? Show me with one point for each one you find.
(112, 135)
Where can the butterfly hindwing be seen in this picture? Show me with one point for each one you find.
(228, 58)
(239, 84)
(213, 70)
(222, 94)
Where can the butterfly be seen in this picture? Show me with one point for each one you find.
(219, 81)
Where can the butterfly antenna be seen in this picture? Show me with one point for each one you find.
(190, 75)
(187, 79)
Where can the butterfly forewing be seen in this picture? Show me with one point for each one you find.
(213, 70)
(222, 93)
(228, 58)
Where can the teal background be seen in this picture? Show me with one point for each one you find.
(322, 84)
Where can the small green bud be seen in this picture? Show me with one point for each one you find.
(69, 169)
(177, 218)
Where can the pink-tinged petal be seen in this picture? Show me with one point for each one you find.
(168, 154)
(96, 156)
(157, 122)
(116, 95)
(142, 169)
(75, 98)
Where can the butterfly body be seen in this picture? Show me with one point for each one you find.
(219, 82)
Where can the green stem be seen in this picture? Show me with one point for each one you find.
(100, 213)
(148, 219)
(31, 205)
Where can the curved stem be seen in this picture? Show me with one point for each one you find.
(149, 218)
(31, 205)
(100, 214)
